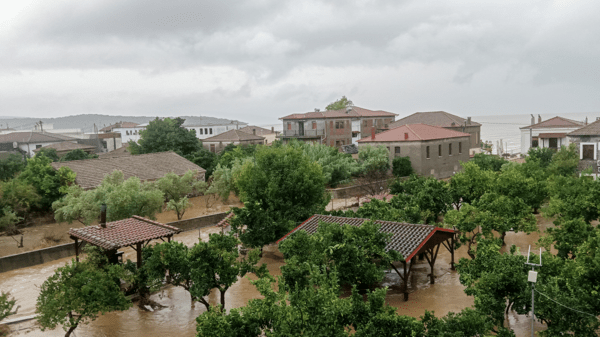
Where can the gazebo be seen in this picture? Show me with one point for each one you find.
(409, 240)
(135, 232)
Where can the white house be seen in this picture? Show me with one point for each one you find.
(28, 141)
(551, 133)
(128, 130)
(204, 131)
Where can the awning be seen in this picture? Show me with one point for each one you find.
(552, 135)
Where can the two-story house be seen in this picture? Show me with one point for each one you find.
(587, 140)
(335, 127)
(551, 133)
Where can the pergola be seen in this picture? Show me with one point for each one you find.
(135, 232)
(408, 239)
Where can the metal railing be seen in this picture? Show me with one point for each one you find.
(305, 133)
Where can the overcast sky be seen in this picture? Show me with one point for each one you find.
(257, 60)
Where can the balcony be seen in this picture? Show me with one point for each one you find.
(311, 133)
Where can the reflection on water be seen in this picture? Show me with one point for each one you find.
(178, 316)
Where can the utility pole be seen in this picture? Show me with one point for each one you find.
(532, 277)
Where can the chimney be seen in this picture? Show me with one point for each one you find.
(469, 120)
(539, 118)
(586, 120)
(103, 216)
(348, 109)
(532, 119)
(317, 110)
(373, 134)
(272, 129)
(254, 132)
(406, 135)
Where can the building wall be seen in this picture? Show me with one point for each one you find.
(28, 148)
(206, 131)
(588, 163)
(128, 134)
(473, 130)
(526, 136)
(443, 166)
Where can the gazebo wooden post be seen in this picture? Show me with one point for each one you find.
(452, 253)
(139, 254)
(405, 283)
(432, 260)
(76, 249)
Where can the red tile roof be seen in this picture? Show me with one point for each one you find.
(555, 122)
(552, 135)
(592, 129)
(119, 125)
(355, 112)
(433, 118)
(66, 146)
(414, 132)
(124, 232)
(33, 137)
(407, 239)
(225, 221)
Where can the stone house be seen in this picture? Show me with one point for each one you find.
(269, 135)
(433, 151)
(217, 143)
(335, 127)
(551, 133)
(587, 139)
(447, 121)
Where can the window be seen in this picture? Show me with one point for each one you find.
(337, 143)
(314, 125)
(365, 122)
(127, 133)
(440, 150)
(427, 152)
(201, 131)
(397, 150)
(459, 147)
(206, 131)
(38, 146)
(339, 125)
(289, 126)
(553, 143)
(212, 148)
(450, 149)
(210, 130)
(587, 151)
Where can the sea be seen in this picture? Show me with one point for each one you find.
(505, 128)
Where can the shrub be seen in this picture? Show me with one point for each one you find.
(402, 167)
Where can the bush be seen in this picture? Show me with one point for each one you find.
(488, 162)
(402, 167)
(542, 155)
(10, 166)
(78, 154)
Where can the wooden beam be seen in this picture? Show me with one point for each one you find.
(76, 249)
(139, 254)
(405, 284)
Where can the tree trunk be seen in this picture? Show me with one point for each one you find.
(503, 235)
(223, 298)
(70, 331)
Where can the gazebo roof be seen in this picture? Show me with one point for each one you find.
(407, 239)
(124, 232)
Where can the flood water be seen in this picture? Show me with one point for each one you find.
(178, 316)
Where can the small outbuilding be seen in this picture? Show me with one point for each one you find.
(217, 143)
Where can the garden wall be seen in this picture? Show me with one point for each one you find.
(355, 190)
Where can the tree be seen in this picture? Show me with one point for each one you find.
(78, 154)
(401, 167)
(401, 208)
(124, 198)
(567, 236)
(49, 153)
(78, 292)
(279, 187)
(49, 183)
(432, 196)
(573, 198)
(18, 195)
(6, 305)
(565, 161)
(177, 188)
(356, 253)
(514, 182)
(468, 322)
(205, 159)
(341, 103)
(488, 162)
(541, 155)
(205, 266)
(375, 166)
(505, 214)
(166, 135)
(10, 166)
(470, 184)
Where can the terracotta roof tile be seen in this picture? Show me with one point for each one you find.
(414, 132)
(124, 232)
(259, 131)
(33, 137)
(232, 136)
(119, 125)
(66, 146)
(406, 238)
(433, 118)
(147, 167)
(592, 129)
(555, 122)
(355, 112)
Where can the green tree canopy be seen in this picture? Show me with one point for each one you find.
(124, 198)
(49, 183)
(176, 189)
(541, 155)
(471, 183)
(205, 159)
(166, 135)
(339, 104)
(10, 166)
(402, 167)
(6, 305)
(488, 162)
(431, 195)
(565, 161)
(49, 153)
(78, 154)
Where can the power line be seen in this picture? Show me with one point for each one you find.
(581, 312)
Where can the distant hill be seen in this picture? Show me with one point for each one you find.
(86, 122)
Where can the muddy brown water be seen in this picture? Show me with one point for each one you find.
(177, 318)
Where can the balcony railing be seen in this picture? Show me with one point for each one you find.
(310, 133)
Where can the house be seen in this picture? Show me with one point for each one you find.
(129, 131)
(147, 167)
(551, 133)
(433, 151)
(26, 142)
(217, 143)
(447, 121)
(586, 139)
(207, 130)
(335, 127)
(66, 147)
(269, 135)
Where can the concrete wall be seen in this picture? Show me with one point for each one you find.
(353, 191)
(40, 256)
(474, 131)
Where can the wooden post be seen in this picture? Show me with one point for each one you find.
(405, 285)
(452, 253)
(138, 247)
(76, 250)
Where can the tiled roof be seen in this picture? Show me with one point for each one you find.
(33, 137)
(555, 122)
(147, 167)
(552, 135)
(120, 152)
(414, 132)
(66, 146)
(124, 232)
(225, 221)
(119, 125)
(259, 131)
(434, 118)
(232, 136)
(407, 239)
(342, 113)
(592, 129)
